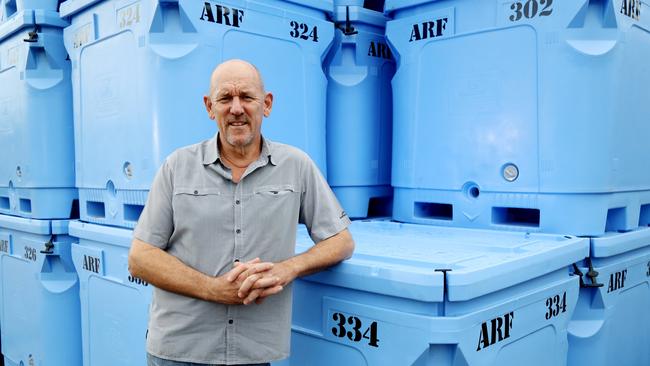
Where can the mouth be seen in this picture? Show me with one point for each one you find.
(237, 123)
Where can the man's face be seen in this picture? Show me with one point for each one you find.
(238, 104)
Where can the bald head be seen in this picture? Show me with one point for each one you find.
(235, 67)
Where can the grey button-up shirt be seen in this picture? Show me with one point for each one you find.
(196, 213)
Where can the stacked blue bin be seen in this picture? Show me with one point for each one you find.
(140, 70)
(516, 116)
(423, 295)
(521, 115)
(39, 311)
(39, 301)
(359, 112)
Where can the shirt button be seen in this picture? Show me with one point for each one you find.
(230, 321)
(238, 231)
(237, 202)
(196, 192)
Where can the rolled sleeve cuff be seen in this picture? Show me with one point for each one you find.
(150, 238)
(319, 235)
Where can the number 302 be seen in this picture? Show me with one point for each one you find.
(354, 333)
(530, 8)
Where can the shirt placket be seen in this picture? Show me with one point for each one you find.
(238, 239)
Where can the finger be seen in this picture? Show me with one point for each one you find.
(252, 296)
(247, 285)
(271, 291)
(254, 260)
(265, 282)
(255, 268)
(236, 271)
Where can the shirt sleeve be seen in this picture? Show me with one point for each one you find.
(320, 211)
(155, 225)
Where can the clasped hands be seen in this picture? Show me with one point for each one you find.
(255, 280)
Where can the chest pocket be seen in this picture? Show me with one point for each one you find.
(196, 206)
(271, 199)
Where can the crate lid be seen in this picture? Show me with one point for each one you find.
(405, 260)
(28, 19)
(105, 234)
(394, 5)
(34, 226)
(612, 244)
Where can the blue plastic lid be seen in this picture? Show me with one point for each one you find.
(30, 18)
(359, 15)
(104, 234)
(403, 260)
(33, 226)
(612, 244)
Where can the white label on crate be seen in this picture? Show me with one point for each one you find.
(555, 305)
(495, 330)
(631, 8)
(128, 15)
(12, 55)
(617, 280)
(221, 14)
(82, 35)
(354, 328)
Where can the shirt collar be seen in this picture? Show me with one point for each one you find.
(211, 151)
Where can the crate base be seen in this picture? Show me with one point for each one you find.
(366, 201)
(119, 208)
(39, 203)
(574, 214)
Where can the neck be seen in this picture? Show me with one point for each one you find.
(240, 156)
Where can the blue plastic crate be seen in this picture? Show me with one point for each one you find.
(141, 68)
(114, 304)
(11, 8)
(611, 324)
(39, 301)
(424, 295)
(359, 68)
(513, 114)
(36, 128)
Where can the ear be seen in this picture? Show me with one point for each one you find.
(208, 106)
(268, 104)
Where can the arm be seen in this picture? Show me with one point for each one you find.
(319, 257)
(167, 272)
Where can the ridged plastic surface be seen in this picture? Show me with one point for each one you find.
(39, 294)
(521, 113)
(36, 128)
(114, 304)
(423, 295)
(140, 71)
(611, 324)
(359, 68)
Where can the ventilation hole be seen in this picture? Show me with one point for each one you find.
(380, 207)
(132, 212)
(615, 219)
(95, 209)
(435, 211)
(515, 216)
(74, 209)
(4, 203)
(25, 205)
(644, 215)
(474, 192)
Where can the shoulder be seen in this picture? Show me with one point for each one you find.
(187, 156)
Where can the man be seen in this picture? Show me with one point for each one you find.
(217, 236)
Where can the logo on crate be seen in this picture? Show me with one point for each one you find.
(379, 50)
(91, 264)
(429, 29)
(631, 8)
(224, 15)
(494, 331)
(617, 281)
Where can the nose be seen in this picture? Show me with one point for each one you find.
(236, 107)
